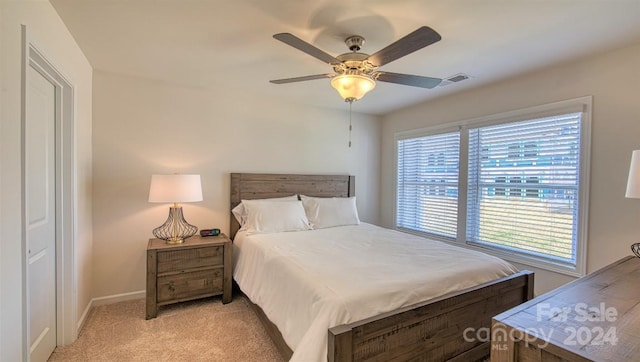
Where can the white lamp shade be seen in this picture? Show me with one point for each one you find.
(175, 188)
(352, 86)
(633, 183)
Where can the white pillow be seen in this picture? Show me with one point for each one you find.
(275, 216)
(241, 214)
(326, 212)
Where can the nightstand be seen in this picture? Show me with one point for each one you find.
(197, 268)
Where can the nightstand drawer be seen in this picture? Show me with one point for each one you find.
(177, 260)
(186, 285)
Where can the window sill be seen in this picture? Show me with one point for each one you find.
(532, 261)
(541, 263)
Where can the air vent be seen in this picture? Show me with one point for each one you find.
(454, 79)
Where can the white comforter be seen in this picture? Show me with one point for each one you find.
(309, 281)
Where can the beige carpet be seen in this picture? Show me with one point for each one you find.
(204, 330)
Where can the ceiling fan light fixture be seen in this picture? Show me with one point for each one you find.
(356, 73)
(352, 87)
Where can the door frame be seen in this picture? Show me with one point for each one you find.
(65, 194)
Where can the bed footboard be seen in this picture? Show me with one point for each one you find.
(454, 327)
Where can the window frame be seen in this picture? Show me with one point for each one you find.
(582, 105)
(434, 131)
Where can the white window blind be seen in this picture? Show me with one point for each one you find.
(427, 199)
(523, 187)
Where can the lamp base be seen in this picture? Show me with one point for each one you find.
(636, 249)
(176, 228)
(174, 240)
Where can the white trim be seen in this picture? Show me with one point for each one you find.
(463, 186)
(585, 187)
(429, 131)
(24, 248)
(110, 299)
(582, 105)
(540, 111)
(66, 194)
(84, 316)
(115, 298)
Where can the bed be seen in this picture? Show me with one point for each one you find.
(431, 329)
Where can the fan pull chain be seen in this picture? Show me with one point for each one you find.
(350, 126)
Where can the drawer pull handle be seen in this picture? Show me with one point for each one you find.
(172, 287)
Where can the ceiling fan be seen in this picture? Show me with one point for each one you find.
(356, 73)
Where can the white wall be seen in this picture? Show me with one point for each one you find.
(613, 80)
(52, 37)
(143, 127)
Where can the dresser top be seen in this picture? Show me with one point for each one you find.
(192, 242)
(596, 316)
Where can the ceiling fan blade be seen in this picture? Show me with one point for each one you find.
(300, 44)
(407, 79)
(301, 79)
(419, 39)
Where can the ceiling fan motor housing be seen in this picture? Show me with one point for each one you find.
(353, 62)
(354, 42)
(363, 67)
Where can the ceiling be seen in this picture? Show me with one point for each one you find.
(228, 44)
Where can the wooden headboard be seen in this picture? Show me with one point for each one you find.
(248, 186)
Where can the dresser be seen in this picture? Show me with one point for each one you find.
(197, 268)
(594, 318)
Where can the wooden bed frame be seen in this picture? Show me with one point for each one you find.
(434, 330)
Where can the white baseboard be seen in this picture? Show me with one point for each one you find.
(110, 299)
(83, 318)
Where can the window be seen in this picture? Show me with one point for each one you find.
(428, 184)
(524, 197)
(531, 221)
(515, 191)
(500, 191)
(530, 149)
(532, 192)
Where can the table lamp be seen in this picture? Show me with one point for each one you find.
(175, 189)
(633, 188)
